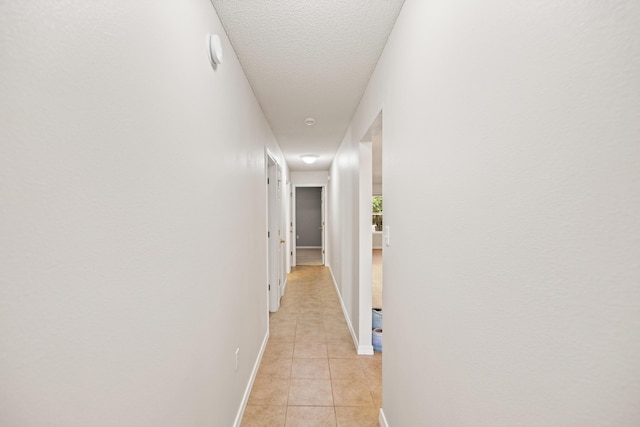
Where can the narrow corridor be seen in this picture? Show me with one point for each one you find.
(310, 373)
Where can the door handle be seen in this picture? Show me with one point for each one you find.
(281, 241)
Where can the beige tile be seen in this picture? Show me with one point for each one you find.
(282, 322)
(309, 325)
(376, 395)
(371, 361)
(277, 349)
(311, 416)
(335, 314)
(275, 367)
(372, 368)
(350, 392)
(290, 310)
(373, 373)
(335, 322)
(282, 315)
(283, 333)
(310, 368)
(310, 335)
(311, 311)
(339, 336)
(334, 331)
(375, 389)
(263, 416)
(311, 362)
(356, 416)
(346, 369)
(373, 381)
(310, 350)
(342, 350)
(269, 391)
(308, 308)
(310, 392)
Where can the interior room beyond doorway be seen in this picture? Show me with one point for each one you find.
(309, 226)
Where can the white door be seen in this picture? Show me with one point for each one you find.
(273, 235)
(281, 236)
(292, 240)
(322, 224)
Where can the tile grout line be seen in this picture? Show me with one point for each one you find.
(303, 315)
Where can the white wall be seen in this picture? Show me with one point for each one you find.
(512, 282)
(128, 192)
(342, 224)
(309, 178)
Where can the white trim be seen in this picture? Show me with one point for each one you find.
(289, 226)
(346, 315)
(284, 285)
(365, 246)
(382, 420)
(276, 219)
(323, 208)
(366, 350)
(247, 391)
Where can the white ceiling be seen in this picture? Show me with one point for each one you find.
(308, 59)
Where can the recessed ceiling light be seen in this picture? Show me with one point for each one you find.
(309, 121)
(309, 158)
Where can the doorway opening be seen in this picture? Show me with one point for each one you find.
(371, 230)
(377, 208)
(309, 226)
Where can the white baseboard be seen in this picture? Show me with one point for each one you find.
(247, 391)
(382, 420)
(365, 350)
(344, 312)
(284, 286)
(361, 349)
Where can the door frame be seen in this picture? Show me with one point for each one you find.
(323, 215)
(365, 237)
(274, 234)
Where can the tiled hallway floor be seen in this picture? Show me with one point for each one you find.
(310, 373)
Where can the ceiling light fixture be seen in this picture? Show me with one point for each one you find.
(309, 158)
(309, 121)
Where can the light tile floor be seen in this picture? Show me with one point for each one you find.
(310, 373)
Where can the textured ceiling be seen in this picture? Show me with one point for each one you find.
(308, 59)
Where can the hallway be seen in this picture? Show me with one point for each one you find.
(310, 374)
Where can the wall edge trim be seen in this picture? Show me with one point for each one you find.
(252, 378)
(344, 312)
(382, 420)
(366, 350)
